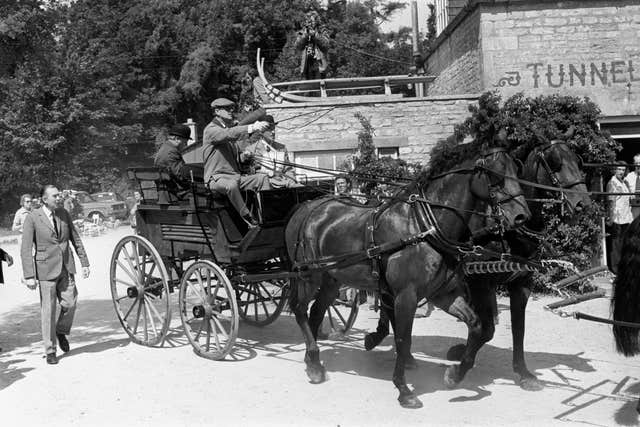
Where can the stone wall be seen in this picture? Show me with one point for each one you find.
(412, 124)
(456, 61)
(578, 48)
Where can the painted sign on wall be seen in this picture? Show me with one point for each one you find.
(539, 74)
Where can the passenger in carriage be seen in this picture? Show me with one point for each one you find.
(222, 156)
(170, 159)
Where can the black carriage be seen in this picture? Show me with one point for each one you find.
(192, 241)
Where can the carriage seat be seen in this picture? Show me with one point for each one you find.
(157, 186)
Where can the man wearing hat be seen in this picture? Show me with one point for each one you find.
(221, 157)
(170, 159)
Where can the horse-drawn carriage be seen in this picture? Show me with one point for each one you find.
(195, 243)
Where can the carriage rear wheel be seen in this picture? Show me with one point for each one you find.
(208, 310)
(342, 314)
(140, 290)
(262, 302)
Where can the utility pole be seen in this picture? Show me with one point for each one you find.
(417, 57)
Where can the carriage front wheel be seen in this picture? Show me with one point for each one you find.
(140, 290)
(208, 310)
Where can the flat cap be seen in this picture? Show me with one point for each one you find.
(222, 103)
(180, 131)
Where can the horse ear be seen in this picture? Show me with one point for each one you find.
(479, 185)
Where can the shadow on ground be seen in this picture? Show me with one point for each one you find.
(96, 329)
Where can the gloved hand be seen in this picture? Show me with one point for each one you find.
(258, 126)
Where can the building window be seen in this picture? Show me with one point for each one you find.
(331, 160)
(392, 152)
(442, 18)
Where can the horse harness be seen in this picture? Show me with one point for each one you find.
(430, 232)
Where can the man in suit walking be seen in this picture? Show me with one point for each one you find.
(48, 260)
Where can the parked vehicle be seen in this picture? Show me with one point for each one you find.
(105, 205)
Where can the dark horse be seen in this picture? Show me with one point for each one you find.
(333, 228)
(554, 165)
(626, 294)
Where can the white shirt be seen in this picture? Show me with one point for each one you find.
(631, 179)
(619, 205)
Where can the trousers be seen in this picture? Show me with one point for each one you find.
(231, 185)
(63, 289)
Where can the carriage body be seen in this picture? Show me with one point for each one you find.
(193, 241)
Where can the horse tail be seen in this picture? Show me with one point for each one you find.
(626, 292)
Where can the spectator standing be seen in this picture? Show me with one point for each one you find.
(21, 214)
(633, 182)
(47, 234)
(620, 215)
(134, 208)
(67, 202)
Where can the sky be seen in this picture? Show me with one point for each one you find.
(403, 18)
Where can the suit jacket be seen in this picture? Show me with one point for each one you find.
(3, 257)
(51, 251)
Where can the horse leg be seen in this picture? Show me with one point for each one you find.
(519, 296)
(326, 295)
(480, 327)
(405, 306)
(299, 305)
(372, 339)
(387, 318)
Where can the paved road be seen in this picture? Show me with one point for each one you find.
(106, 380)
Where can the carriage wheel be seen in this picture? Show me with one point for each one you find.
(262, 302)
(208, 310)
(140, 290)
(341, 315)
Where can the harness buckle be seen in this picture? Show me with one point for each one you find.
(413, 198)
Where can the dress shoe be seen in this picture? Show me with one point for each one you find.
(52, 359)
(62, 342)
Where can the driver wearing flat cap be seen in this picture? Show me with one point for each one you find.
(221, 157)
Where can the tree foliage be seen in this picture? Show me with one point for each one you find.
(536, 121)
(86, 87)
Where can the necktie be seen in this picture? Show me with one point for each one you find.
(55, 223)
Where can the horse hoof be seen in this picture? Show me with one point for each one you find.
(410, 362)
(371, 341)
(410, 401)
(452, 376)
(317, 375)
(530, 384)
(455, 352)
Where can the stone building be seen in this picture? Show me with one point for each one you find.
(580, 48)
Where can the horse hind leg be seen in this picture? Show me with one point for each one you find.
(326, 294)
(299, 305)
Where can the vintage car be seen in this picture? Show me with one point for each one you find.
(103, 205)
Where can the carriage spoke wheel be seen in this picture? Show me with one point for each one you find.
(260, 303)
(140, 290)
(342, 314)
(208, 310)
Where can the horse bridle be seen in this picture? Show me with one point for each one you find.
(541, 159)
(494, 202)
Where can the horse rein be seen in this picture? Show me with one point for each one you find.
(541, 159)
